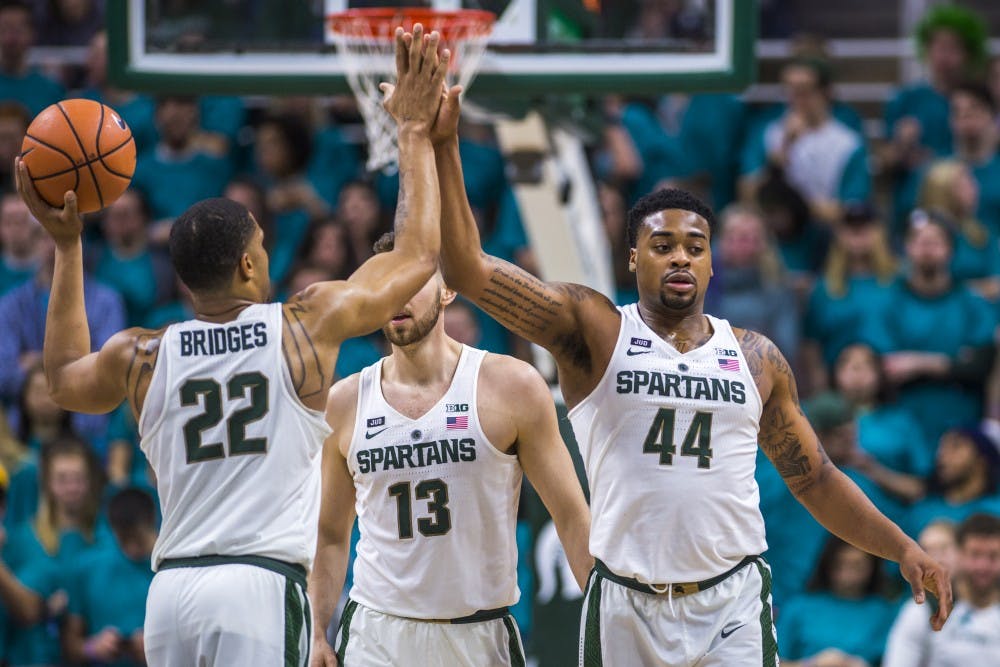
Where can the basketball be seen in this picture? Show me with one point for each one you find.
(79, 145)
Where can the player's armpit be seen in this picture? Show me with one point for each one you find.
(98, 382)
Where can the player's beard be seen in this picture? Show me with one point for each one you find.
(417, 330)
(678, 301)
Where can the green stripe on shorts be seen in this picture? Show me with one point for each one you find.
(770, 646)
(293, 625)
(345, 629)
(592, 629)
(513, 642)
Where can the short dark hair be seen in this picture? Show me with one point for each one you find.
(131, 509)
(978, 525)
(207, 242)
(662, 200)
(385, 243)
(977, 91)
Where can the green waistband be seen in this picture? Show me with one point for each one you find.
(292, 571)
(677, 590)
(477, 617)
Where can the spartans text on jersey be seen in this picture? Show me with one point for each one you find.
(417, 455)
(681, 386)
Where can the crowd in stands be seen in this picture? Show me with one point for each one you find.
(872, 262)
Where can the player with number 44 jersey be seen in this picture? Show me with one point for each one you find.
(428, 446)
(229, 405)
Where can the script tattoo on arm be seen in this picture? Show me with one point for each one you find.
(785, 435)
(303, 360)
(544, 313)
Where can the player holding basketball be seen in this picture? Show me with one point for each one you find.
(669, 405)
(429, 445)
(229, 405)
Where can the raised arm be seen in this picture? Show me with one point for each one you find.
(383, 284)
(543, 455)
(830, 496)
(548, 314)
(79, 380)
(336, 518)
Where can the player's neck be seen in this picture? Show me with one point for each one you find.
(427, 362)
(220, 307)
(682, 329)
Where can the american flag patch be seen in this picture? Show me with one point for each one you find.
(729, 364)
(457, 422)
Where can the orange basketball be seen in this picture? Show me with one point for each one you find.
(79, 145)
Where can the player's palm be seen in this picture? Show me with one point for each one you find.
(63, 224)
(323, 655)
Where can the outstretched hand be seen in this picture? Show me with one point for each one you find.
(63, 224)
(925, 575)
(446, 124)
(420, 72)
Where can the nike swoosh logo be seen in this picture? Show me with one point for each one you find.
(726, 633)
(630, 352)
(369, 436)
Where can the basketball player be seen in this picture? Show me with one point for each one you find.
(229, 405)
(669, 405)
(429, 445)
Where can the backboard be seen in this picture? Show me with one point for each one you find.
(538, 47)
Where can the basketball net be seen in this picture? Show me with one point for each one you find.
(366, 43)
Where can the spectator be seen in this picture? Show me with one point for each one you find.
(885, 431)
(23, 607)
(752, 279)
(107, 605)
(327, 246)
(71, 22)
(937, 337)
(613, 215)
(973, 638)
(65, 528)
(19, 81)
(461, 323)
(940, 540)
(801, 243)
(843, 619)
(179, 170)
(823, 159)
(14, 121)
(952, 42)
(42, 422)
(180, 309)
(973, 122)
(302, 276)
(20, 236)
(22, 330)
(964, 480)
(126, 262)
(950, 192)
(247, 191)
(360, 211)
(283, 149)
(852, 289)
(13, 455)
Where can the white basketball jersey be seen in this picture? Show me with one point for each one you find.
(437, 504)
(669, 441)
(236, 454)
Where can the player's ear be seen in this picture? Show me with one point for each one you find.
(448, 295)
(631, 260)
(246, 267)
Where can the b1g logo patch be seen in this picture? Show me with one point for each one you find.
(376, 421)
(722, 352)
(456, 407)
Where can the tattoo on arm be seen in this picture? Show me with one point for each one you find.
(303, 360)
(140, 367)
(780, 435)
(533, 308)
